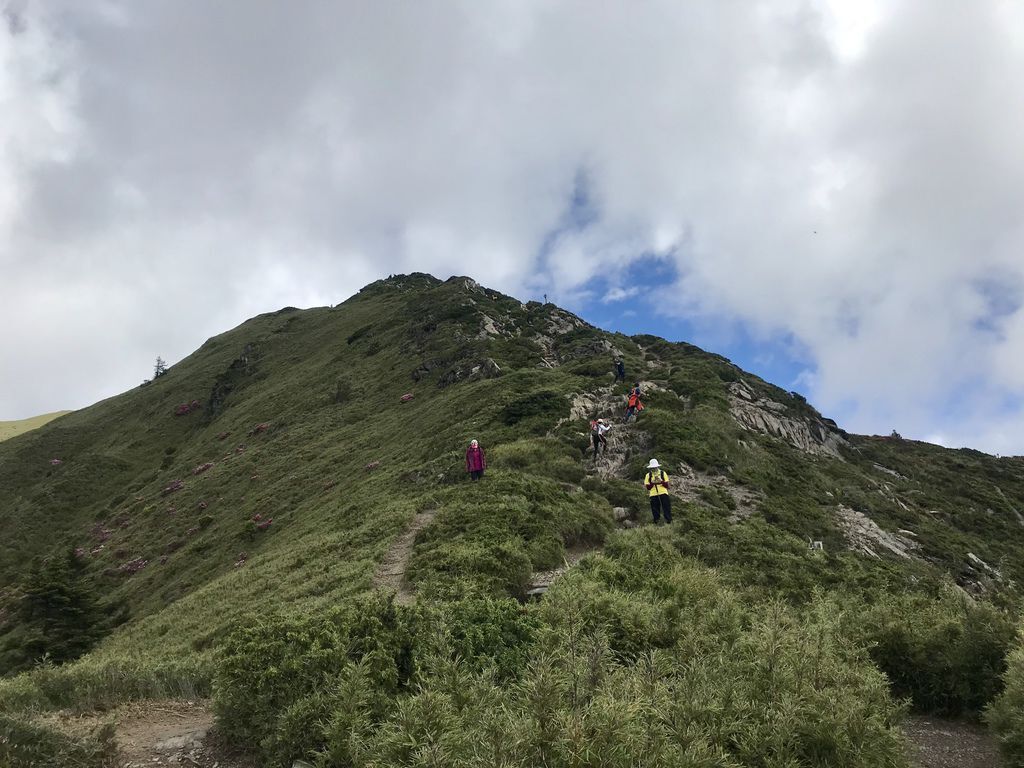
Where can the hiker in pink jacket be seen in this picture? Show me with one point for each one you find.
(476, 462)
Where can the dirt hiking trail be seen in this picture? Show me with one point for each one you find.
(391, 571)
(938, 743)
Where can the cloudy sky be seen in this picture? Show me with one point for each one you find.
(831, 193)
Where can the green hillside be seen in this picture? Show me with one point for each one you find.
(243, 521)
(9, 429)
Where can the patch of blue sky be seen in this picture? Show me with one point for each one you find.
(1002, 297)
(630, 300)
(612, 304)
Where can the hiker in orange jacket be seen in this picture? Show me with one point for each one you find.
(633, 403)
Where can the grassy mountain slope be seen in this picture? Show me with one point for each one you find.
(9, 429)
(295, 463)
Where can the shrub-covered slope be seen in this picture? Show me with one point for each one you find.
(299, 415)
(269, 473)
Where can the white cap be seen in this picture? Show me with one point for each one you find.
(653, 464)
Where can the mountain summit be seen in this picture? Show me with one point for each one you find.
(303, 476)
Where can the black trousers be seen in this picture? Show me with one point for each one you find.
(661, 505)
(598, 441)
(476, 474)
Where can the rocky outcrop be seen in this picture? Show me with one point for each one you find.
(560, 322)
(715, 491)
(864, 535)
(601, 402)
(977, 577)
(760, 414)
(454, 371)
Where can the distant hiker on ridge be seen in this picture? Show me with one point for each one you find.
(476, 462)
(656, 483)
(633, 403)
(598, 430)
(620, 371)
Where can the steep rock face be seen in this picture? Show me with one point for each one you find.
(864, 535)
(771, 418)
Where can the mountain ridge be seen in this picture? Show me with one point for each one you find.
(273, 471)
(502, 341)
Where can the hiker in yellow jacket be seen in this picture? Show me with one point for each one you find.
(656, 483)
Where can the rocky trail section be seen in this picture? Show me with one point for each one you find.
(167, 733)
(937, 743)
(390, 573)
(625, 441)
(160, 733)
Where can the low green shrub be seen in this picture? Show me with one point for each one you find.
(539, 456)
(1006, 714)
(277, 677)
(25, 743)
(101, 683)
(621, 663)
(493, 533)
(291, 686)
(537, 411)
(945, 654)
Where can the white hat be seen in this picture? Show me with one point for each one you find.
(653, 464)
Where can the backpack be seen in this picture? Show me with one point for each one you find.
(593, 427)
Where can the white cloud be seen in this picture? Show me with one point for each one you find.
(620, 294)
(846, 173)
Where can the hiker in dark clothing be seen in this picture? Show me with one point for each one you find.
(620, 371)
(598, 430)
(476, 462)
(656, 483)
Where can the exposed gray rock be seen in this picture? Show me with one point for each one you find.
(864, 535)
(1016, 512)
(488, 327)
(769, 418)
(185, 741)
(561, 322)
(488, 369)
(980, 564)
(549, 358)
(888, 471)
